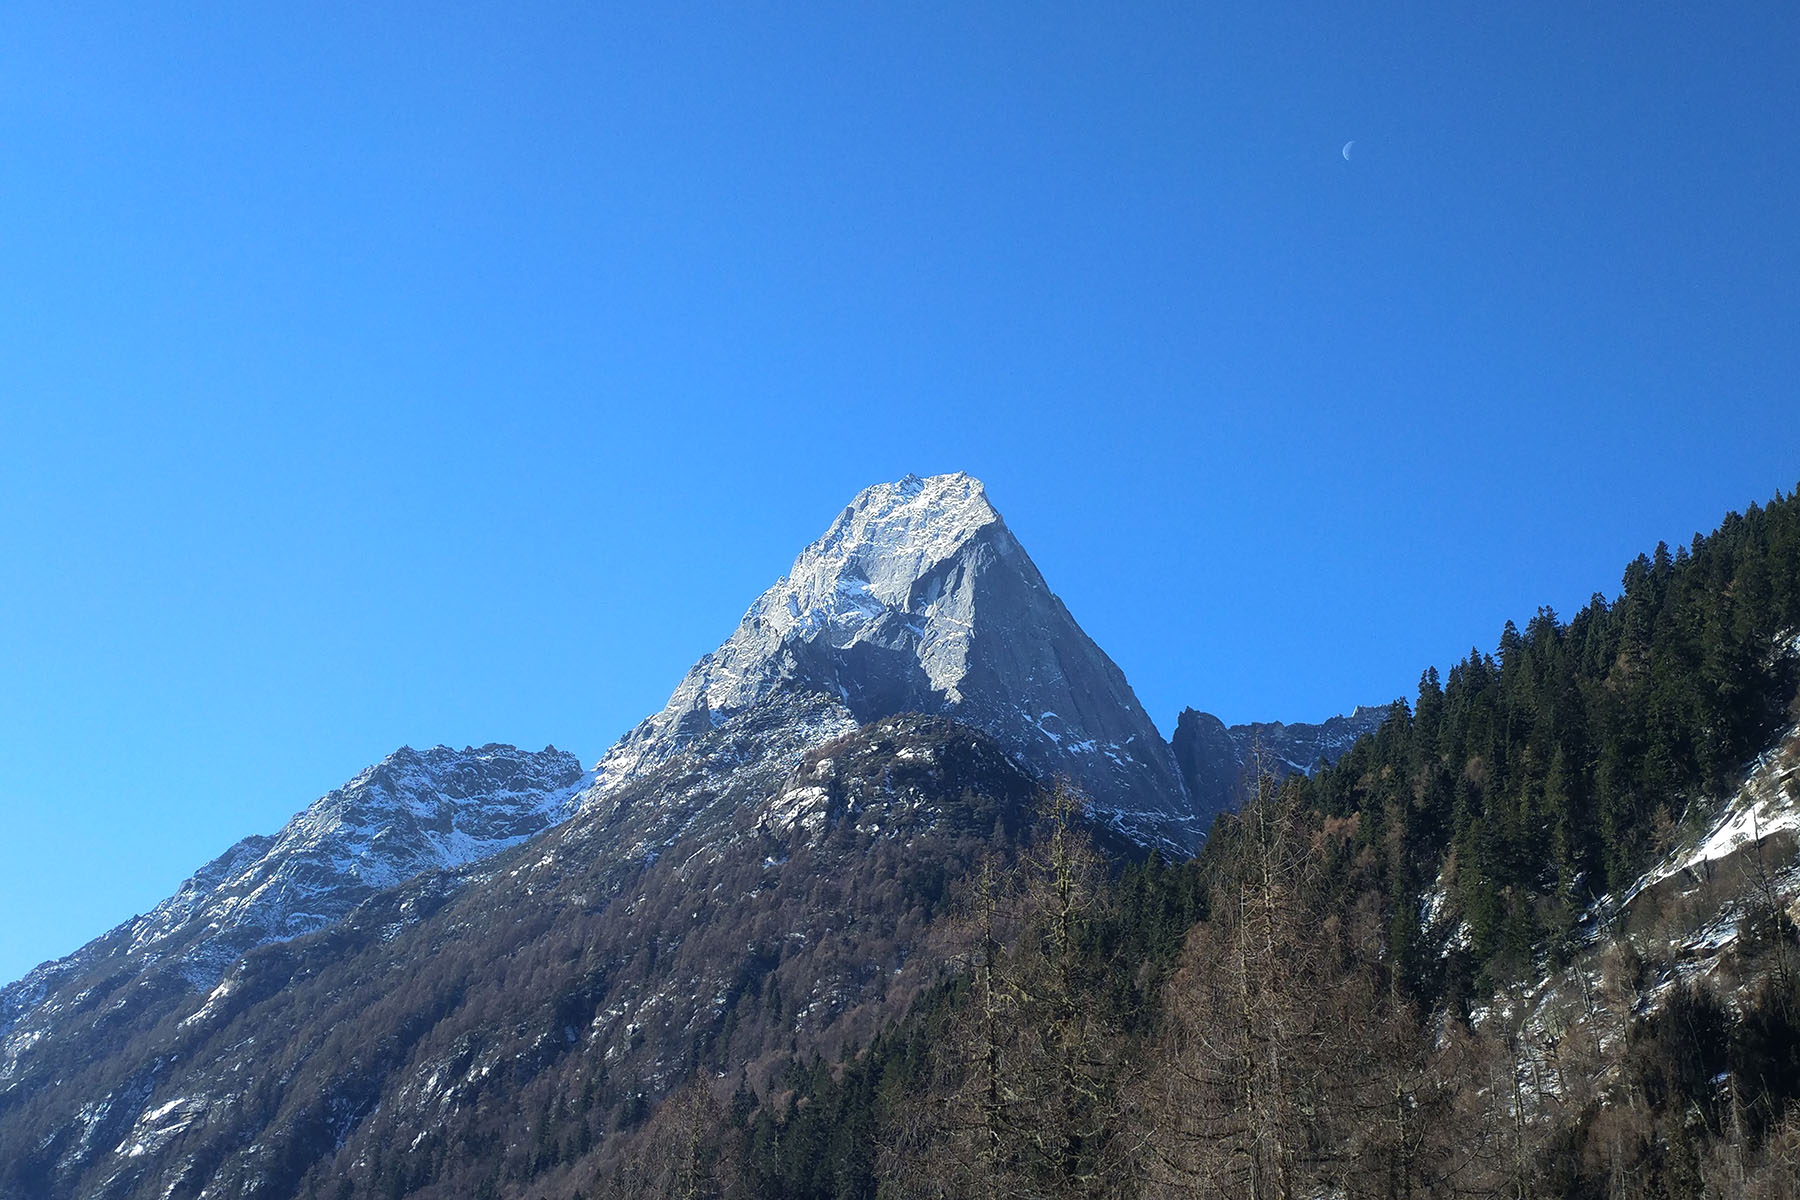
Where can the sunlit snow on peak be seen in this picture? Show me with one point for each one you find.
(889, 538)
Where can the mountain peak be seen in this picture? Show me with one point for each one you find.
(917, 598)
(1218, 764)
(889, 537)
(894, 530)
(414, 811)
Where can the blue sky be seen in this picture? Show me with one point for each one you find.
(371, 375)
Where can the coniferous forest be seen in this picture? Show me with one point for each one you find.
(1412, 974)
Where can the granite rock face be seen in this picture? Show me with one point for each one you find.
(754, 874)
(1209, 761)
(919, 599)
(1218, 763)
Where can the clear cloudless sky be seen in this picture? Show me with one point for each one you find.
(408, 373)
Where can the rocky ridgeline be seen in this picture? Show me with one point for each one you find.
(412, 812)
(1218, 761)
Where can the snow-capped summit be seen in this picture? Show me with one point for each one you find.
(919, 599)
(889, 538)
(412, 812)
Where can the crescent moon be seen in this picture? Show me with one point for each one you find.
(1347, 146)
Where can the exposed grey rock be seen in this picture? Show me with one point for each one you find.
(1209, 762)
(1217, 763)
(413, 811)
(919, 599)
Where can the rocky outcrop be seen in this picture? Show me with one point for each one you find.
(1217, 762)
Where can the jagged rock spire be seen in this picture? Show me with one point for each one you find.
(918, 598)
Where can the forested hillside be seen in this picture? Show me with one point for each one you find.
(1412, 974)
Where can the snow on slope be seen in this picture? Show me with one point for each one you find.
(1767, 803)
(864, 567)
(414, 811)
(917, 598)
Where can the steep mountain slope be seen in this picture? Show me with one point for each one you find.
(1717, 897)
(669, 927)
(1712, 900)
(916, 599)
(919, 599)
(1535, 936)
(1215, 760)
(754, 882)
(414, 811)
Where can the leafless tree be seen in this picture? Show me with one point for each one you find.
(1288, 1064)
(1029, 1071)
